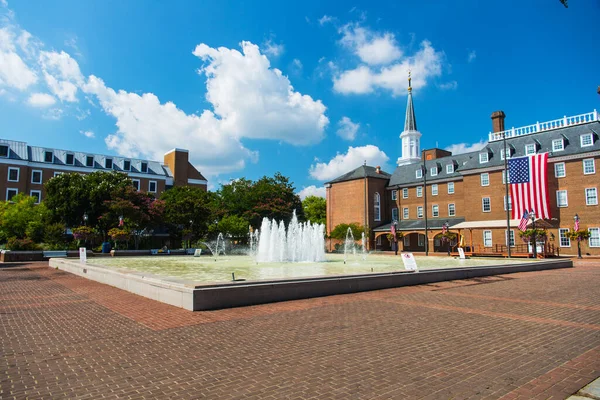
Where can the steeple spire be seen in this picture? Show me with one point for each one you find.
(410, 137)
(410, 123)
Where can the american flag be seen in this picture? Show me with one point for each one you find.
(529, 185)
(393, 230)
(524, 220)
(576, 224)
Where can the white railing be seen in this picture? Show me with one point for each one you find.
(545, 126)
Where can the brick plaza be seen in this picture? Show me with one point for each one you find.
(533, 335)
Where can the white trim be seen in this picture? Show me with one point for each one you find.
(421, 207)
(8, 174)
(564, 230)
(7, 150)
(93, 161)
(449, 168)
(593, 165)
(138, 184)
(558, 199)
(529, 145)
(482, 204)
(66, 157)
(562, 144)
(405, 193)
(453, 189)
(177, 149)
(454, 206)
(155, 187)
(586, 135)
(436, 189)
(376, 207)
(491, 239)
(438, 211)
(407, 213)
(417, 191)
(39, 193)
(41, 176)
(590, 239)
(128, 169)
(487, 178)
(46, 152)
(7, 189)
(432, 170)
(556, 171)
(397, 214)
(141, 169)
(487, 158)
(507, 237)
(112, 163)
(197, 181)
(586, 196)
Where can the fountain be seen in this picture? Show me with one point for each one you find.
(363, 241)
(219, 246)
(300, 242)
(349, 245)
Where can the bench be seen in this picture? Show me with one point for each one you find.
(157, 252)
(55, 253)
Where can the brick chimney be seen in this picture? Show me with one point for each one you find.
(378, 169)
(498, 121)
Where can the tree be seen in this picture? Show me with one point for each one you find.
(188, 211)
(341, 230)
(23, 218)
(315, 209)
(234, 226)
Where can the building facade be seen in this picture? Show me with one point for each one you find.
(25, 169)
(466, 193)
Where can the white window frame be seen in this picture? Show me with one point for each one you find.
(509, 203)
(485, 239)
(558, 145)
(556, 170)
(484, 158)
(563, 238)
(594, 240)
(435, 210)
(394, 195)
(504, 177)
(395, 211)
(449, 168)
(484, 179)
(434, 189)
(420, 211)
(418, 174)
(133, 181)
(450, 185)
(405, 213)
(39, 193)
(18, 174)
(583, 138)
(593, 170)
(33, 171)
(57, 173)
(530, 149)
(451, 209)
(142, 169)
(433, 171)
(405, 193)
(150, 187)
(483, 204)
(511, 238)
(502, 153)
(406, 240)
(595, 191)
(558, 204)
(377, 207)
(419, 189)
(67, 157)
(11, 189)
(112, 163)
(46, 152)
(126, 169)
(87, 158)
(420, 240)
(7, 150)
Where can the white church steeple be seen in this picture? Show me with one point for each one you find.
(410, 137)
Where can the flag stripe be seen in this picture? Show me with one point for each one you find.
(530, 188)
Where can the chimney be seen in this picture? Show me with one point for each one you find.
(378, 169)
(498, 121)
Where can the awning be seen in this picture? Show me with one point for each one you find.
(419, 224)
(499, 223)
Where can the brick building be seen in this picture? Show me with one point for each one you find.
(466, 192)
(25, 169)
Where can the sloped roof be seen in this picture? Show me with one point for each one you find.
(419, 224)
(360, 173)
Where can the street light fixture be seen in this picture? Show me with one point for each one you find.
(424, 169)
(85, 219)
(576, 218)
(533, 237)
(446, 226)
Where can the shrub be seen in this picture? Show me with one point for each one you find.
(21, 244)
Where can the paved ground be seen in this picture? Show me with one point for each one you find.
(519, 336)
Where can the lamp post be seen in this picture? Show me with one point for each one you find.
(85, 219)
(424, 169)
(394, 239)
(533, 237)
(446, 226)
(506, 198)
(576, 218)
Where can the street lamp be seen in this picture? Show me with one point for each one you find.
(394, 239)
(424, 169)
(446, 226)
(576, 218)
(533, 237)
(85, 219)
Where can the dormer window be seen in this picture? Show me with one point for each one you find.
(144, 168)
(586, 140)
(434, 171)
(48, 156)
(3, 150)
(558, 145)
(529, 149)
(89, 161)
(108, 163)
(450, 168)
(419, 174)
(484, 157)
(509, 153)
(70, 159)
(126, 165)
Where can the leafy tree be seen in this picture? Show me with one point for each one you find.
(234, 226)
(67, 198)
(315, 209)
(188, 211)
(341, 230)
(22, 218)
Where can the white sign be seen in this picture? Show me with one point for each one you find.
(461, 253)
(410, 263)
(82, 255)
(198, 253)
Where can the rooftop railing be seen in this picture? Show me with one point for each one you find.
(545, 126)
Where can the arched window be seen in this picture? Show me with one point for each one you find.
(377, 207)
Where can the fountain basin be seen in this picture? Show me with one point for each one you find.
(196, 296)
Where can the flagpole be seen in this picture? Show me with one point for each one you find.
(506, 198)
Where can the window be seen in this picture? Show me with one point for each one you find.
(89, 161)
(435, 210)
(57, 173)
(434, 189)
(13, 174)
(419, 211)
(485, 179)
(405, 193)
(450, 168)
(37, 194)
(511, 238)
(108, 164)
(594, 240)
(421, 240)
(504, 177)
(70, 159)
(559, 170)
(144, 167)
(434, 171)
(486, 204)
(36, 176)
(508, 152)
(450, 187)
(529, 149)
(419, 191)
(152, 187)
(126, 165)
(405, 213)
(487, 238)
(48, 156)
(136, 184)
(483, 158)
(591, 197)
(394, 214)
(586, 140)
(589, 167)
(509, 203)
(561, 198)
(564, 239)
(558, 145)
(377, 207)
(3, 150)
(451, 210)
(406, 241)
(10, 193)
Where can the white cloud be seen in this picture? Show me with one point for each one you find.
(472, 55)
(88, 134)
(296, 66)
(62, 74)
(371, 47)
(424, 64)
(4, 3)
(273, 49)
(325, 19)
(312, 190)
(343, 163)
(347, 129)
(14, 72)
(452, 85)
(53, 114)
(461, 148)
(41, 100)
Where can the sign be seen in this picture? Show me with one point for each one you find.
(198, 253)
(461, 253)
(410, 263)
(82, 255)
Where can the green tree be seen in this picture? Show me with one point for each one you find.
(188, 211)
(315, 209)
(23, 218)
(341, 230)
(234, 226)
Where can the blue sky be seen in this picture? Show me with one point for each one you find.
(310, 89)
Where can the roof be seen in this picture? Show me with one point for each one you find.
(419, 224)
(360, 173)
(410, 122)
(498, 223)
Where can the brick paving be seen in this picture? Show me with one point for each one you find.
(533, 335)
